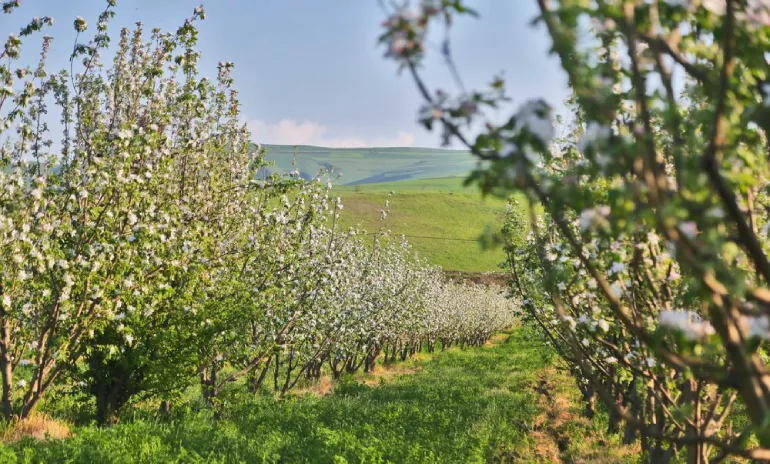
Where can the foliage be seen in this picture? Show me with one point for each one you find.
(647, 265)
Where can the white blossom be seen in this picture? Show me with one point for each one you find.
(594, 218)
(617, 268)
(594, 134)
(690, 324)
(80, 24)
(689, 228)
(757, 326)
(534, 116)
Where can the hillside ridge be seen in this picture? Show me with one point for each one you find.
(371, 164)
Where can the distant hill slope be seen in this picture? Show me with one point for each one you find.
(443, 184)
(371, 165)
(441, 219)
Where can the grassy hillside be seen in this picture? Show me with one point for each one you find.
(440, 218)
(371, 165)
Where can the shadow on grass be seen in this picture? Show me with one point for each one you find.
(463, 406)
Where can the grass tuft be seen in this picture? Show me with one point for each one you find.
(38, 426)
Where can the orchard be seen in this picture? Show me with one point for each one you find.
(144, 255)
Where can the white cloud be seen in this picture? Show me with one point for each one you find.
(293, 132)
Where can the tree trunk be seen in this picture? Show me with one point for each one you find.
(355, 365)
(630, 434)
(697, 453)
(333, 365)
(7, 376)
(589, 398)
(613, 423)
(255, 383)
(660, 455)
(109, 401)
(289, 369)
(6, 368)
(165, 408)
(106, 412)
(275, 373)
(371, 358)
(209, 385)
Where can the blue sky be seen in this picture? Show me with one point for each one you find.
(311, 71)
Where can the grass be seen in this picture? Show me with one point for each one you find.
(475, 405)
(371, 165)
(442, 220)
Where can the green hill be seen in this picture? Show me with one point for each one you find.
(371, 165)
(440, 218)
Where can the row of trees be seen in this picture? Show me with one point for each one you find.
(142, 253)
(646, 265)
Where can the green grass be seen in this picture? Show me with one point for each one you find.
(442, 220)
(475, 405)
(371, 165)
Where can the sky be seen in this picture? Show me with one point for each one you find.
(312, 72)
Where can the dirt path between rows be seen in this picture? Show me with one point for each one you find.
(562, 434)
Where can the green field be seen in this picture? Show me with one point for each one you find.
(440, 218)
(370, 165)
(506, 402)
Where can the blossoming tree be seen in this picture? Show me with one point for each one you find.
(646, 262)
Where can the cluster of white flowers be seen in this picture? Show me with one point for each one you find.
(595, 134)
(535, 117)
(690, 324)
(765, 87)
(467, 314)
(756, 13)
(406, 34)
(757, 326)
(594, 218)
